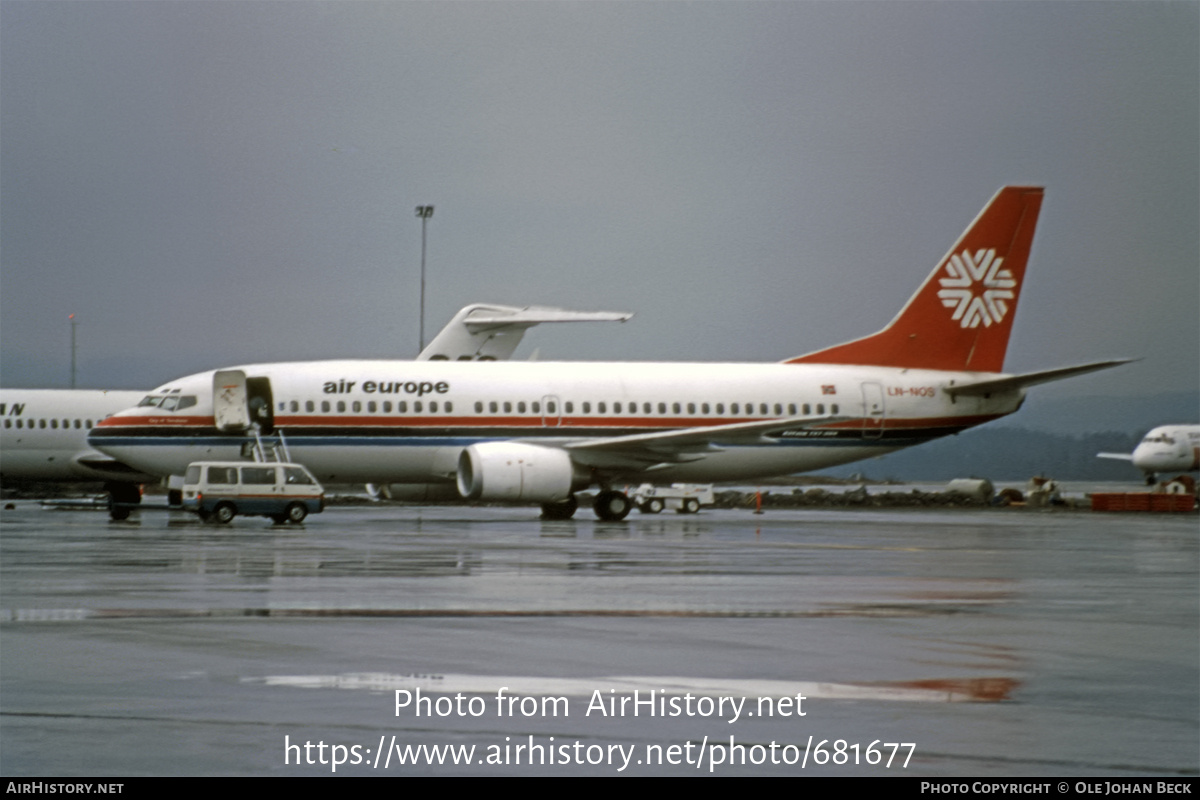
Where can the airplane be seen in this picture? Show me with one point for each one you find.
(539, 432)
(43, 438)
(1167, 448)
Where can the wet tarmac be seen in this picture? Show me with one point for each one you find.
(993, 643)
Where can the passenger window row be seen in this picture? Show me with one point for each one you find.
(551, 407)
(78, 424)
(371, 407)
(674, 409)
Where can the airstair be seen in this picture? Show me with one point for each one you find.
(270, 449)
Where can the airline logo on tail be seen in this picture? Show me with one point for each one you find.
(958, 293)
(961, 317)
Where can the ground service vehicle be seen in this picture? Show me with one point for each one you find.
(685, 498)
(220, 490)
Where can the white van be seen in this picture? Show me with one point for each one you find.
(220, 490)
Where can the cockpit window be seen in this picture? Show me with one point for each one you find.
(1161, 438)
(168, 402)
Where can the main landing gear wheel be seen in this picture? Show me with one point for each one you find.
(563, 510)
(612, 506)
(651, 506)
(122, 499)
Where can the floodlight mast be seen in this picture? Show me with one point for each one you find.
(424, 212)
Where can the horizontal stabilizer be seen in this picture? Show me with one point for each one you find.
(534, 315)
(1010, 383)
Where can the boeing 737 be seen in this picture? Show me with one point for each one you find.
(1169, 448)
(540, 432)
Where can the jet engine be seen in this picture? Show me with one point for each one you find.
(517, 472)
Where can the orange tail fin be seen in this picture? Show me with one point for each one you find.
(962, 315)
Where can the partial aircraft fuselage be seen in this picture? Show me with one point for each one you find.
(43, 435)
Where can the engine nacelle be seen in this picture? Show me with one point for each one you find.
(515, 472)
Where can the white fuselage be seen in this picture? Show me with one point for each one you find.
(43, 434)
(1169, 448)
(407, 422)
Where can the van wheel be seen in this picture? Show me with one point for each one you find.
(296, 513)
(224, 513)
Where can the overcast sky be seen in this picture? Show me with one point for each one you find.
(213, 183)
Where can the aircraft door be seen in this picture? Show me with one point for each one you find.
(551, 411)
(874, 412)
(261, 404)
(239, 402)
(231, 412)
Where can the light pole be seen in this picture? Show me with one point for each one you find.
(424, 212)
(72, 318)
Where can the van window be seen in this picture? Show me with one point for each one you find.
(192, 475)
(258, 475)
(295, 475)
(223, 475)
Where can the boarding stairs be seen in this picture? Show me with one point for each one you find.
(270, 449)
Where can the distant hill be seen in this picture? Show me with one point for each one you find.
(1000, 453)
(1088, 414)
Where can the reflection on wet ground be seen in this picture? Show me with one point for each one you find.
(999, 643)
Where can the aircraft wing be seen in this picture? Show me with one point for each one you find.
(1118, 456)
(484, 332)
(1011, 382)
(648, 451)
